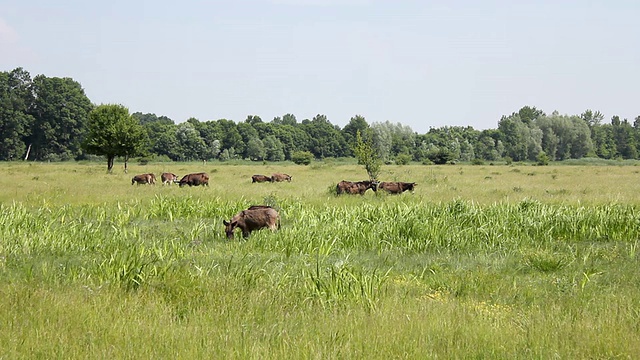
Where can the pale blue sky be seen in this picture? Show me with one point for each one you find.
(421, 63)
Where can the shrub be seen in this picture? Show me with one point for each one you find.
(161, 158)
(542, 159)
(442, 156)
(302, 157)
(477, 161)
(403, 159)
(143, 161)
(508, 160)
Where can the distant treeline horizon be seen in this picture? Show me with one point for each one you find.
(46, 118)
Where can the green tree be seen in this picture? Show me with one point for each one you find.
(60, 110)
(231, 137)
(604, 141)
(255, 149)
(293, 138)
(148, 118)
(113, 132)
(488, 145)
(529, 114)
(193, 147)
(15, 122)
(592, 118)
(564, 137)
(163, 140)
(357, 123)
(253, 119)
(247, 132)
(623, 133)
(522, 141)
(367, 155)
(211, 134)
(286, 119)
(273, 148)
(325, 139)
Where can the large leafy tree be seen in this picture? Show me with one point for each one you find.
(113, 132)
(286, 119)
(623, 134)
(564, 137)
(193, 147)
(247, 132)
(232, 140)
(255, 149)
(293, 138)
(522, 142)
(15, 122)
(356, 123)
(326, 140)
(211, 135)
(488, 145)
(161, 132)
(604, 141)
(393, 139)
(529, 114)
(273, 148)
(164, 140)
(60, 110)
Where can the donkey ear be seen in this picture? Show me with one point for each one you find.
(225, 222)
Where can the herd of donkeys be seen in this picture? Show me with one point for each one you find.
(263, 216)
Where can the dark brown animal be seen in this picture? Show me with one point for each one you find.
(358, 187)
(397, 187)
(261, 178)
(280, 177)
(254, 218)
(168, 178)
(195, 179)
(144, 179)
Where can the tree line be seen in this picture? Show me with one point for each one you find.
(50, 118)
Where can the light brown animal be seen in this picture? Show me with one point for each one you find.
(261, 178)
(195, 179)
(144, 179)
(168, 178)
(254, 218)
(358, 187)
(280, 177)
(396, 187)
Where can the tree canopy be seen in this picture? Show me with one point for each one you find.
(113, 132)
(51, 118)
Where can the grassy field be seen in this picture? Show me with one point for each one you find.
(495, 262)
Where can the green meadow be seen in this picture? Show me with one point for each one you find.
(488, 261)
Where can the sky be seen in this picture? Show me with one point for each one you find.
(419, 63)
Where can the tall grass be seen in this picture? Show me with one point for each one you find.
(150, 273)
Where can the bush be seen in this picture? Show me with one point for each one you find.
(302, 157)
(508, 160)
(442, 156)
(403, 159)
(143, 161)
(477, 161)
(542, 159)
(161, 158)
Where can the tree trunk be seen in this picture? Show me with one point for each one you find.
(110, 163)
(126, 160)
(28, 151)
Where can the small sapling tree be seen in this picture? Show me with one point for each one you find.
(367, 154)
